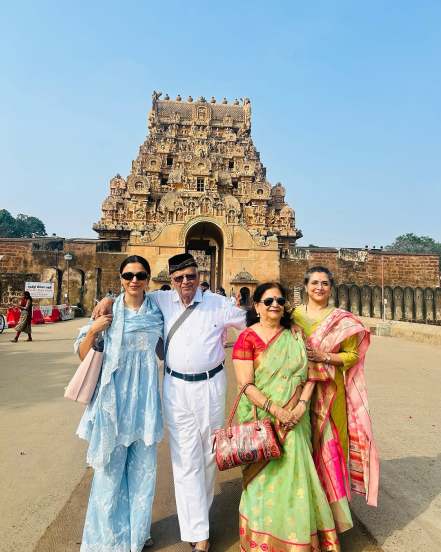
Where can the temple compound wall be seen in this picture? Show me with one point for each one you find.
(91, 273)
(411, 281)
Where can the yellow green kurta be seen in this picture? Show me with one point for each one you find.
(348, 354)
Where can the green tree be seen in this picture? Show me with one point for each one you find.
(23, 226)
(7, 224)
(29, 226)
(411, 243)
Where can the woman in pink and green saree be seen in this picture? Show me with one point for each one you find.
(344, 450)
(283, 506)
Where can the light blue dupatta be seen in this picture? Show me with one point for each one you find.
(99, 424)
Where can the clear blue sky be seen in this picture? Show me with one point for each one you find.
(346, 100)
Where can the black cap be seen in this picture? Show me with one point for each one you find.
(181, 261)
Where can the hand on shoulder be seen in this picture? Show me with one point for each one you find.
(103, 307)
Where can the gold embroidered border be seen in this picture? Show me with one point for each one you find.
(256, 541)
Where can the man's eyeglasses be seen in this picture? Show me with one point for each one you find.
(130, 275)
(268, 301)
(189, 277)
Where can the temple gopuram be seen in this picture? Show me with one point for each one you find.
(198, 185)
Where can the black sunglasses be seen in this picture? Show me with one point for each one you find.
(270, 300)
(180, 279)
(130, 275)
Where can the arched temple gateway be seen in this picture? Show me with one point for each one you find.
(198, 185)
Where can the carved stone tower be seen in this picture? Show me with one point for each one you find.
(198, 184)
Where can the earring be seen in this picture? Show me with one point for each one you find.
(258, 314)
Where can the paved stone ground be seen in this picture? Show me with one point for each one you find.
(45, 484)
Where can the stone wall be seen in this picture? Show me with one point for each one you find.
(407, 304)
(411, 281)
(363, 267)
(92, 271)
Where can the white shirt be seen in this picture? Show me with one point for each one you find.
(197, 346)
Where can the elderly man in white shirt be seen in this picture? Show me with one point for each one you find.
(194, 389)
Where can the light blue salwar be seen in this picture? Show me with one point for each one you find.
(123, 423)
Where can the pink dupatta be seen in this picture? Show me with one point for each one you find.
(328, 454)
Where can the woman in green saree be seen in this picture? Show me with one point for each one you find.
(283, 506)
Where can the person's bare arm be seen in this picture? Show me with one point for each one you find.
(99, 325)
(103, 307)
(244, 370)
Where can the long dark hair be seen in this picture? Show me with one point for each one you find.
(27, 296)
(135, 259)
(252, 317)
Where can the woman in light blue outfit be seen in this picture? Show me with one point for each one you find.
(123, 422)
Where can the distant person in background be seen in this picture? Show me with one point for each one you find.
(110, 294)
(24, 324)
(221, 291)
(205, 286)
(165, 287)
(244, 298)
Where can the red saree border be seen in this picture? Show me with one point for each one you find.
(325, 540)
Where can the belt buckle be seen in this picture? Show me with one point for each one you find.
(207, 373)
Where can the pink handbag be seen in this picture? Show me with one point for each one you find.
(82, 386)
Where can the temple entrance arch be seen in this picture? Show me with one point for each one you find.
(205, 241)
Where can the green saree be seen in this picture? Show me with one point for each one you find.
(283, 507)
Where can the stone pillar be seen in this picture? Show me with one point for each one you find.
(419, 305)
(438, 305)
(398, 297)
(409, 304)
(333, 297)
(388, 295)
(354, 299)
(429, 303)
(366, 300)
(343, 297)
(376, 302)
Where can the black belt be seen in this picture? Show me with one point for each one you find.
(195, 377)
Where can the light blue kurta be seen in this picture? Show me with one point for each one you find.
(123, 423)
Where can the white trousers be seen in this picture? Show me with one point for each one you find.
(193, 410)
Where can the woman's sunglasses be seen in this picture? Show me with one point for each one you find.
(130, 275)
(270, 300)
(189, 277)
